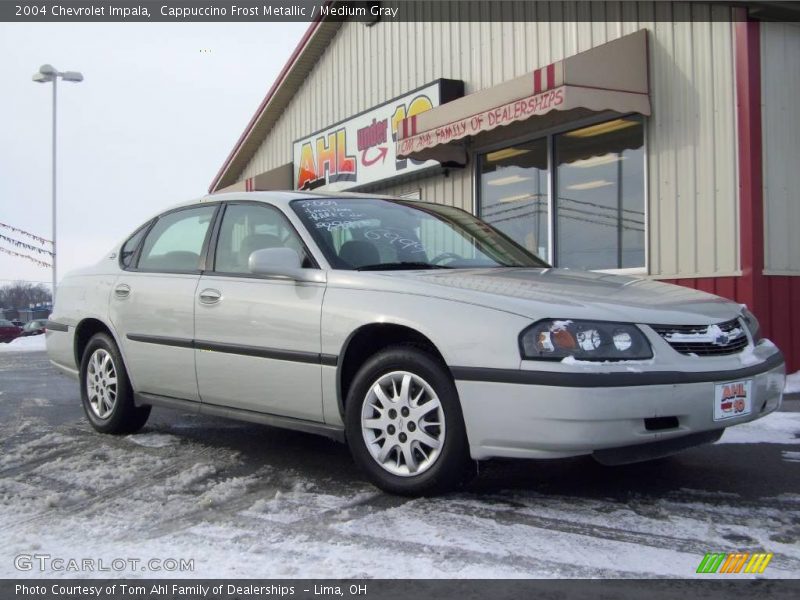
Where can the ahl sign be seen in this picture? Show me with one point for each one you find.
(361, 150)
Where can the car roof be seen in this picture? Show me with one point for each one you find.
(282, 198)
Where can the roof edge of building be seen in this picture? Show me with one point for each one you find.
(235, 158)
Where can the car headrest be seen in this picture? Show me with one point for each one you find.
(358, 253)
(257, 241)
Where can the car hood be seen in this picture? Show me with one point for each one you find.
(541, 293)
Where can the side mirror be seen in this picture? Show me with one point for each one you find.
(284, 263)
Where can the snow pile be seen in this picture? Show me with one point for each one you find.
(776, 428)
(191, 480)
(792, 383)
(31, 343)
(227, 490)
(154, 440)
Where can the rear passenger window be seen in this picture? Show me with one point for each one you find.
(176, 240)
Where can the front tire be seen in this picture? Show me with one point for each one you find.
(404, 424)
(106, 391)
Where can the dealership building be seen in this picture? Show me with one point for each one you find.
(645, 139)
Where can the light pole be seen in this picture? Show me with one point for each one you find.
(46, 74)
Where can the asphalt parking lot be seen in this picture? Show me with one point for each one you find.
(252, 501)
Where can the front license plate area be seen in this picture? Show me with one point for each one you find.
(732, 399)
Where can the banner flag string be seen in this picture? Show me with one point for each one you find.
(41, 263)
(41, 240)
(23, 245)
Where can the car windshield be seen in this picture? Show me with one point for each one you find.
(382, 234)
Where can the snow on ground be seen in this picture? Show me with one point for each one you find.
(31, 343)
(791, 456)
(171, 492)
(73, 493)
(792, 383)
(777, 428)
(154, 440)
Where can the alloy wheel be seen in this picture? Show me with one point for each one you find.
(101, 383)
(403, 424)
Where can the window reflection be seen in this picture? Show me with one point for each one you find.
(600, 196)
(514, 194)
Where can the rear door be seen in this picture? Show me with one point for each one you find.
(152, 303)
(258, 339)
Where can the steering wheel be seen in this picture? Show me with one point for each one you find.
(443, 256)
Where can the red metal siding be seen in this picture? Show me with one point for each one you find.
(783, 319)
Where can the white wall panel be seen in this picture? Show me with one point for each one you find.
(780, 89)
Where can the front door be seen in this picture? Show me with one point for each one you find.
(257, 339)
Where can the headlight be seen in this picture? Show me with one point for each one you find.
(584, 340)
(752, 324)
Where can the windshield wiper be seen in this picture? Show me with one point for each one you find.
(397, 266)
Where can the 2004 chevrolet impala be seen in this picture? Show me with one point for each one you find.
(419, 334)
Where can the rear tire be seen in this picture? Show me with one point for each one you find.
(106, 390)
(404, 424)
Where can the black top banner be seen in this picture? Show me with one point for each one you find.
(370, 12)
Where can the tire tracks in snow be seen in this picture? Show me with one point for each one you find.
(319, 529)
(614, 534)
(96, 499)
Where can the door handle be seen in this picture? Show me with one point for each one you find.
(122, 291)
(210, 296)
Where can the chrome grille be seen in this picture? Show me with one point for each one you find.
(718, 339)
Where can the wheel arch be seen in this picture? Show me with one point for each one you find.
(370, 338)
(84, 331)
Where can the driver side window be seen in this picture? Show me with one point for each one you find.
(249, 227)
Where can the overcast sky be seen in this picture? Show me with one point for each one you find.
(160, 108)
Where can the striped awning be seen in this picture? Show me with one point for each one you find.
(611, 77)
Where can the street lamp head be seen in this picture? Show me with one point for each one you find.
(73, 76)
(48, 73)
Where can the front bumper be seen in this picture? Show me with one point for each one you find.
(571, 416)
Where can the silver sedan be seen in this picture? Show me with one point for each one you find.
(419, 335)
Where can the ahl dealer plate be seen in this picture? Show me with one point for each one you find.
(732, 399)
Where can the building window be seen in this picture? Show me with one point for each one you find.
(514, 194)
(598, 215)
